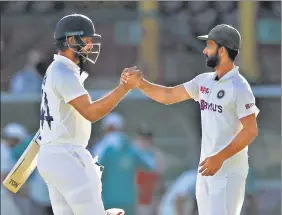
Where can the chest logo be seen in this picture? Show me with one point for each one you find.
(220, 94)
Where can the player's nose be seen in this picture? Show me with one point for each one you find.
(205, 51)
(89, 46)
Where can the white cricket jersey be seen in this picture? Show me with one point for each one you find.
(60, 123)
(223, 103)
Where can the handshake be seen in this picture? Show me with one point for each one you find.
(131, 78)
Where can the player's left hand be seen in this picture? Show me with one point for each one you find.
(211, 165)
(131, 77)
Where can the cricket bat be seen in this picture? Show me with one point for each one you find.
(24, 166)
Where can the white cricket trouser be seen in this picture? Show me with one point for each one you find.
(220, 194)
(73, 180)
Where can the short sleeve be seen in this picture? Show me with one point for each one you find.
(69, 86)
(245, 103)
(192, 88)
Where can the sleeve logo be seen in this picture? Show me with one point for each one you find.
(248, 106)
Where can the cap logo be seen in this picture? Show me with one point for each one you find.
(75, 33)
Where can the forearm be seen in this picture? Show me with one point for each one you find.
(101, 107)
(156, 92)
(243, 139)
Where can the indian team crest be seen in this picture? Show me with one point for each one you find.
(220, 94)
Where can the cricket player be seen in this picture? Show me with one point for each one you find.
(228, 118)
(67, 111)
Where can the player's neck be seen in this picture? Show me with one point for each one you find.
(67, 55)
(222, 69)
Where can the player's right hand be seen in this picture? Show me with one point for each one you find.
(131, 77)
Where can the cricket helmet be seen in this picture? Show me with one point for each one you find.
(77, 26)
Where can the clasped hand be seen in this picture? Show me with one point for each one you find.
(131, 77)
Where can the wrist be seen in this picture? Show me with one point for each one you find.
(125, 88)
(221, 155)
(142, 83)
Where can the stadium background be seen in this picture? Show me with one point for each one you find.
(160, 38)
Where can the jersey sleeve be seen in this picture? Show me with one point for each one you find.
(245, 102)
(192, 88)
(69, 86)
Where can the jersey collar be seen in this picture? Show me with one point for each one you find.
(68, 62)
(230, 74)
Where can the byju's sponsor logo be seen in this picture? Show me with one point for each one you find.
(210, 106)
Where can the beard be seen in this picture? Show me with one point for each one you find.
(82, 56)
(212, 61)
(85, 56)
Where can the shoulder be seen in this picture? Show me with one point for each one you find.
(207, 76)
(202, 78)
(240, 84)
(59, 69)
(62, 73)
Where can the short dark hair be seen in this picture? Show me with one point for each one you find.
(232, 54)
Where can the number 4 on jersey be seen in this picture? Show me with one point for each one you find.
(45, 108)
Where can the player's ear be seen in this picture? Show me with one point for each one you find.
(71, 40)
(222, 51)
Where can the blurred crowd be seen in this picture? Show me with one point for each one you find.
(133, 177)
(33, 196)
(49, 7)
(29, 78)
(226, 9)
(180, 21)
